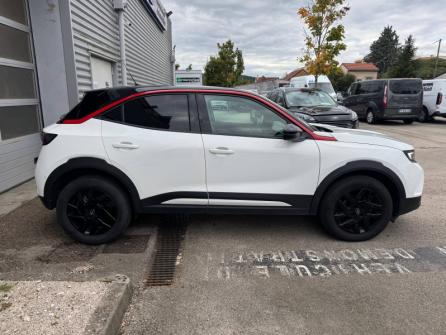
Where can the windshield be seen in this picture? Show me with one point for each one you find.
(309, 99)
(326, 87)
(296, 117)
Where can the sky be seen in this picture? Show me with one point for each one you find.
(271, 35)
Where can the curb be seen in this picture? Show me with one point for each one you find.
(107, 318)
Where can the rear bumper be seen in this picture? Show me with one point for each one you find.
(408, 205)
(394, 114)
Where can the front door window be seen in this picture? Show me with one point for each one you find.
(236, 116)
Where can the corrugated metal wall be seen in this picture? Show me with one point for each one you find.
(148, 49)
(95, 31)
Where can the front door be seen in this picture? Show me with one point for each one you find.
(248, 163)
(351, 101)
(153, 140)
(101, 73)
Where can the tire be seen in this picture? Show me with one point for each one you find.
(93, 210)
(408, 121)
(346, 218)
(423, 116)
(370, 117)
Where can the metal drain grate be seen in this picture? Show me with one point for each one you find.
(168, 246)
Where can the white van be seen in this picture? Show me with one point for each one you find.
(323, 83)
(434, 103)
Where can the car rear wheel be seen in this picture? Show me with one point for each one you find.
(356, 209)
(93, 210)
(370, 117)
(424, 115)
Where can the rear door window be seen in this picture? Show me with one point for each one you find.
(405, 86)
(163, 112)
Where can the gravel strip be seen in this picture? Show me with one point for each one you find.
(36, 307)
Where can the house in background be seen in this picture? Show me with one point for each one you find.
(362, 71)
(296, 73)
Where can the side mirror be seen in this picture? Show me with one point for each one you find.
(293, 133)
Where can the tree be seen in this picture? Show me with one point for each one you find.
(324, 35)
(405, 66)
(224, 69)
(177, 67)
(189, 68)
(384, 51)
(341, 81)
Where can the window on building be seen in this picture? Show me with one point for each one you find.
(19, 104)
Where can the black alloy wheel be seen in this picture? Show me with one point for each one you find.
(356, 208)
(93, 210)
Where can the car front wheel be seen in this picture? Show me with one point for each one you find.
(356, 209)
(93, 210)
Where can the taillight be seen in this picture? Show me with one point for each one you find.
(385, 97)
(47, 138)
(439, 98)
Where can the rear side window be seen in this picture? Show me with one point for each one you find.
(94, 100)
(163, 112)
(369, 87)
(405, 86)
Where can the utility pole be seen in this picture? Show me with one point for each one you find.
(438, 56)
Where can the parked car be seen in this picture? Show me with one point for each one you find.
(323, 83)
(386, 99)
(314, 106)
(122, 152)
(433, 102)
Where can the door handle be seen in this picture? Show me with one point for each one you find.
(125, 145)
(221, 151)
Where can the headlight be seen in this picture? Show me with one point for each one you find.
(410, 154)
(354, 116)
(305, 117)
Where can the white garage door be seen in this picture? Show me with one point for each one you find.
(102, 73)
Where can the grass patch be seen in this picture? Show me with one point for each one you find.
(4, 287)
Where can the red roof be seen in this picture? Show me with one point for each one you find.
(296, 73)
(360, 67)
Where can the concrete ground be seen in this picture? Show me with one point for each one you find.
(283, 275)
(263, 274)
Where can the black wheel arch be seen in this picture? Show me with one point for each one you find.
(364, 167)
(373, 107)
(82, 166)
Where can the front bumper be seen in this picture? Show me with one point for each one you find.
(407, 205)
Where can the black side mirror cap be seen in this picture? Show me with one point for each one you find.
(293, 133)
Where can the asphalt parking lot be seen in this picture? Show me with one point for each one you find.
(264, 274)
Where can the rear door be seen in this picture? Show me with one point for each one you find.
(405, 96)
(248, 163)
(156, 141)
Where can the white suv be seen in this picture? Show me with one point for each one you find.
(125, 151)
